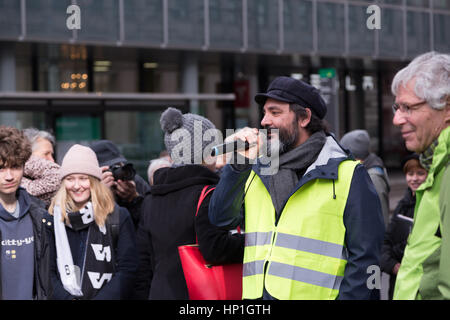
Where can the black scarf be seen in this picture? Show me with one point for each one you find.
(98, 267)
(292, 166)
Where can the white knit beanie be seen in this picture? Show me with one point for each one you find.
(82, 160)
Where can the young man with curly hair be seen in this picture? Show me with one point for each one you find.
(22, 261)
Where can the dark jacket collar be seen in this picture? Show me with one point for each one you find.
(24, 203)
(324, 167)
(171, 179)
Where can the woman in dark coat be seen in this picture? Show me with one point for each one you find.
(402, 220)
(92, 243)
(169, 221)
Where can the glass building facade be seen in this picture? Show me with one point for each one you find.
(205, 47)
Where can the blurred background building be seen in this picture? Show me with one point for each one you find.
(131, 59)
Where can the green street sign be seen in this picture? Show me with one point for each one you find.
(327, 73)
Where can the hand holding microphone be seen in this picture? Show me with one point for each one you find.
(233, 146)
(246, 142)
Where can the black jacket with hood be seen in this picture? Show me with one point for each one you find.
(41, 286)
(169, 221)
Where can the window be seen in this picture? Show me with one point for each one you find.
(62, 68)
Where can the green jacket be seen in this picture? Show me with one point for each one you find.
(425, 268)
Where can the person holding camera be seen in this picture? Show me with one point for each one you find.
(119, 175)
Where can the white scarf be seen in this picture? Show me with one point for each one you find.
(70, 274)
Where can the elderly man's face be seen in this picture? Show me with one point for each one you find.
(43, 149)
(423, 125)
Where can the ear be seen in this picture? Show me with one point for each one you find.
(447, 112)
(306, 120)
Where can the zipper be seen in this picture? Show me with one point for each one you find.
(267, 258)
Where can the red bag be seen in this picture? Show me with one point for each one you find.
(205, 281)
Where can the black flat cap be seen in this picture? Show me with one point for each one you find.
(290, 90)
(107, 152)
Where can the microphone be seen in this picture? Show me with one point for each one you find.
(237, 145)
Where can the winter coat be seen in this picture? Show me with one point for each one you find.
(425, 269)
(42, 287)
(396, 236)
(168, 221)
(121, 284)
(378, 175)
(362, 215)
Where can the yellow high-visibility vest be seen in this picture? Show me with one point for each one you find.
(303, 256)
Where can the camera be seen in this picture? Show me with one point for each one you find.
(124, 172)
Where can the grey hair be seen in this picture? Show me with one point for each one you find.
(431, 71)
(156, 164)
(33, 134)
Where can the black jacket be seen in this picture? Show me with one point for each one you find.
(41, 287)
(396, 236)
(168, 221)
(122, 283)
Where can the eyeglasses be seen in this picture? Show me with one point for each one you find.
(404, 108)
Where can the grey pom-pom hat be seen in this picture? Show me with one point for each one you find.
(172, 121)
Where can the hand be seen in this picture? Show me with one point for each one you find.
(222, 160)
(395, 268)
(107, 177)
(126, 190)
(251, 135)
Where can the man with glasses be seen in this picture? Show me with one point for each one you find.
(422, 112)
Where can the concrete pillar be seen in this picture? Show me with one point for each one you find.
(54, 76)
(8, 80)
(7, 68)
(189, 78)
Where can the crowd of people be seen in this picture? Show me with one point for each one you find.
(92, 228)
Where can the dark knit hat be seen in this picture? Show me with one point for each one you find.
(191, 138)
(290, 90)
(107, 152)
(358, 142)
(407, 160)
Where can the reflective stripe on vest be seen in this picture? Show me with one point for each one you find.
(305, 275)
(291, 242)
(253, 268)
(258, 238)
(303, 256)
(311, 245)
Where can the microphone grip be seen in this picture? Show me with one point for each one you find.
(237, 145)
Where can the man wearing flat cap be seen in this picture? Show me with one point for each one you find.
(314, 229)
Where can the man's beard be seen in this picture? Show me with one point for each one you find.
(287, 137)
